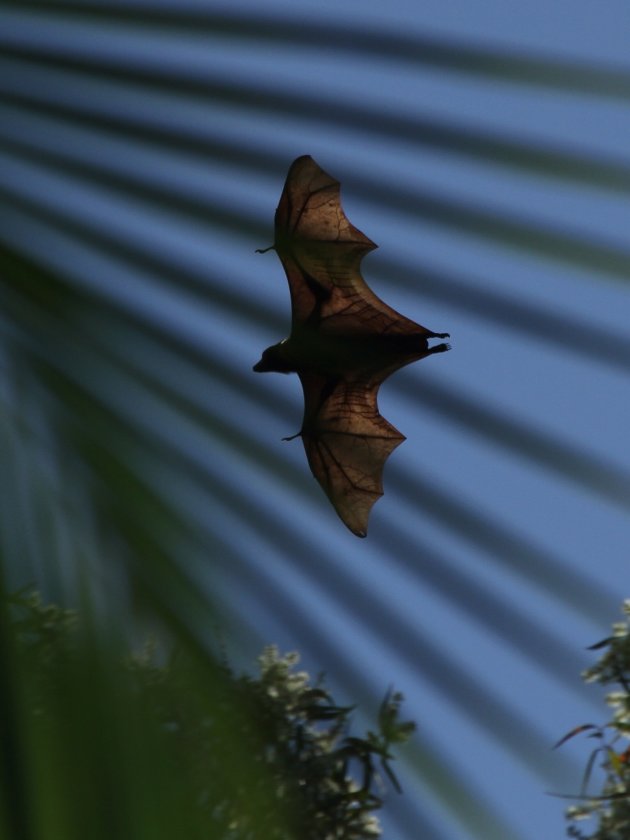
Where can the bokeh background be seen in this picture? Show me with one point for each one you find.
(484, 147)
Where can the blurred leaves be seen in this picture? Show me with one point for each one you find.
(170, 743)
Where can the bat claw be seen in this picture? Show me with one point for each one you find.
(264, 250)
(293, 437)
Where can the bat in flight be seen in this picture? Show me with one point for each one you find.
(344, 343)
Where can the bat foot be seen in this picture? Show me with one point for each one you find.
(441, 335)
(440, 348)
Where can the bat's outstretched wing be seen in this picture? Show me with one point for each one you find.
(347, 443)
(321, 252)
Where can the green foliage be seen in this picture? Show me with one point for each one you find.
(610, 808)
(161, 745)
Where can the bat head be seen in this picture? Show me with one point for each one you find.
(275, 359)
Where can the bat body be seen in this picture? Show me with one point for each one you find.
(344, 343)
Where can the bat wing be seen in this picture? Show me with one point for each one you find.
(347, 443)
(321, 252)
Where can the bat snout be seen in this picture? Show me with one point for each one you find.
(269, 365)
(265, 363)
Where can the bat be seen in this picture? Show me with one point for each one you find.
(344, 343)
